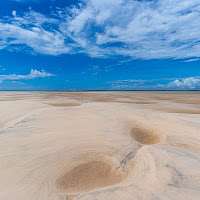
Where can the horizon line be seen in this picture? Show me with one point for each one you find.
(98, 90)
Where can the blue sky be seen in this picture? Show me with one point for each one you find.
(99, 45)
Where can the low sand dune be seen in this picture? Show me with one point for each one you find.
(99, 146)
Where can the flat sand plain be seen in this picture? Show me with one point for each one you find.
(100, 145)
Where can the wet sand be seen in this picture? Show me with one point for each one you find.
(100, 145)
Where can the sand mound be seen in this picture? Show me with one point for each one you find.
(144, 136)
(87, 177)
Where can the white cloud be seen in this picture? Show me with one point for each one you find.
(14, 13)
(2, 68)
(192, 60)
(191, 83)
(29, 31)
(26, 1)
(94, 70)
(32, 75)
(129, 84)
(138, 29)
(186, 83)
(128, 81)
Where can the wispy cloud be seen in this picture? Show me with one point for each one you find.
(32, 75)
(137, 29)
(93, 70)
(190, 83)
(29, 31)
(128, 81)
(129, 84)
(26, 1)
(192, 60)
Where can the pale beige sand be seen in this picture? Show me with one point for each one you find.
(99, 146)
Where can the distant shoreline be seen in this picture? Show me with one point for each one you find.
(99, 90)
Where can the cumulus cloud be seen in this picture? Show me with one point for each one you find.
(32, 75)
(138, 29)
(14, 13)
(186, 83)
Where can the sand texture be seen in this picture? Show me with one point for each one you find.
(100, 145)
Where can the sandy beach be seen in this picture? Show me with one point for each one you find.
(100, 145)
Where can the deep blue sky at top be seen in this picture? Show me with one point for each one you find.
(94, 45)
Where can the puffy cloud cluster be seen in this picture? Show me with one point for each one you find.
(186, 83)
(32, 75)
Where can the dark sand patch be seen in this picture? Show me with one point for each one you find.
(144, 136)
(180, 110)
(87, 177)
(189, 101)
(11, 99)
(136, 102)
(88, 96)
(64, 104)
(145, 102)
